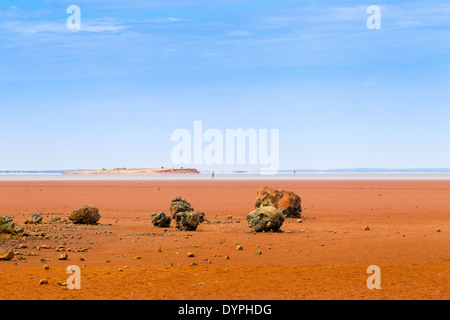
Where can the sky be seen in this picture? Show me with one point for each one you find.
(112, 93)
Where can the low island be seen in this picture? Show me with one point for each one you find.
(137, 171)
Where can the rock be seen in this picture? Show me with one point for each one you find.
(9, 222)
(87, 214)
(8, 255)
(190, 255)
(179, 204)
(367, 228)
(201, 216)
(187, 221)
(239, 247)
(57, 220)
(43, 281)
(5, 226)
(35, 219)
(18, 230)
(286, 201)
(265, 219)
(161, 220)
(46, 267)
(63, 256)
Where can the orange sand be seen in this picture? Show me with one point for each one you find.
(324, 257)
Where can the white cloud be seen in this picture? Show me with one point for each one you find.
(95, 26)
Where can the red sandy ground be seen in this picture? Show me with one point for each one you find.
(324, 257)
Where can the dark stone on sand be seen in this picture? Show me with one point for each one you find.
(87, 214)
(161, 220)
(35, 218)
(265, 219)
(179, 204)
(187, 221)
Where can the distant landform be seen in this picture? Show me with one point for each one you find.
(136, 171)
(195, 171)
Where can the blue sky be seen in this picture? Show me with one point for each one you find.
(111, 94)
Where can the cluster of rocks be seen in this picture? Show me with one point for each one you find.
(186, 219)
(272, 207)
(87, 214)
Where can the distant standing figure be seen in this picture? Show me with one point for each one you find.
(212, 175)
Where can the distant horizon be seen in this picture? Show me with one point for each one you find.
(281, 171)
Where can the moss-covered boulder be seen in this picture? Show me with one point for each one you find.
(266, 218)
(161, 220)
(179, 204)
(187, 221)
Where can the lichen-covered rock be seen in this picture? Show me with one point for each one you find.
(179, 204)
(161, 220)
(8, 255)
(6, 226)
(201, 216)
(187, 221)
(35, 218)
(265, 219)
(286, 201)
(87, 214)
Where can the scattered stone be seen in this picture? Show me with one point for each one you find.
(179, 204)
(161, 220)
(35, 219)
(286, 201)
(18, 230)
(57, 220)
(190, 255)
(367, 228)
(265, 219)
(43, 281)
(7, 255)
(61, 283)
(438, 230)
(63, 256)
(258, 252)
(187, 220)
(22, 246)
(87, 214)
(46, 267)
(138, 257)
(239, 247)
(158, 248)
